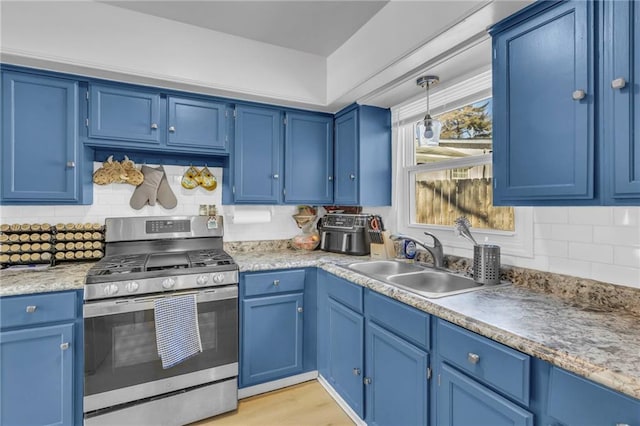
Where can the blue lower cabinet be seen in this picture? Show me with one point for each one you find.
(396, 380)
(345, 354)
(37, 386)
(575, 401)
(272, 338)
(462, 401)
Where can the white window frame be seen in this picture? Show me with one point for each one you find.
(518, 243)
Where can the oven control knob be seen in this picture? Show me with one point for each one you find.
(132, 286)
(110, 289)
(202, 279)
(218, 278)
(168, 283)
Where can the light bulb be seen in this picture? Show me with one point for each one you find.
(428, 132)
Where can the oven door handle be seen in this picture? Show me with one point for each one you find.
(121, 306)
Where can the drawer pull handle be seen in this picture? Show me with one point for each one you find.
(276, 283)
(622, 424)
(31, 309)
(473, 358)
(64, 346)
(356, 371)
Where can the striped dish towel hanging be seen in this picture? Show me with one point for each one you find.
(177, 331)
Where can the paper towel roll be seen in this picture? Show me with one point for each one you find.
(252, 216)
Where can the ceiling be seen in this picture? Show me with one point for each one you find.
(316, 27)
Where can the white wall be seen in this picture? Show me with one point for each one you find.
(113, 201)
(96, 39)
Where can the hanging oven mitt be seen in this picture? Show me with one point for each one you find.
(166, 197)
(147, 191)
(189, 179)
(206, 179)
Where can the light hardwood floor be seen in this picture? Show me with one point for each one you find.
(304, 404)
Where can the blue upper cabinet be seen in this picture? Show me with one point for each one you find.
(621, 92)
(257, 155)
(41, 160)
(124, 114)
(198, 124)
(308, 158)
(346, 159)
(362, 163)
(543, 84)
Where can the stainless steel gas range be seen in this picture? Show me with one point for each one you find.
(146, 259)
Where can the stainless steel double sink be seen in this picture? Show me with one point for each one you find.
(427, 282)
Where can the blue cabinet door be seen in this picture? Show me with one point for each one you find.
(543, 94)
(272, 338)
(197, 124)
(345, 354)
(258, 138)
(576, 401)
(397, 392)
(37, 376)
(308, 159)
(622, 100)
(462, 402)
(40, 154)
(124, 114)
(345, 190)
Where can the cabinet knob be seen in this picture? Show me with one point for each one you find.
(276, 283)
(154, 125)
(71, 164)
(31, 309)
(172, 129)
(352, 176)
(622, 424)
(330, 178)
(473, 358)
(618, 83)
(64, 346)
(276, 176)
(578, 95)
(366, 380)
(356, 371)
(300, 309)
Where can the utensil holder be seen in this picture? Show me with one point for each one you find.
(486, 264)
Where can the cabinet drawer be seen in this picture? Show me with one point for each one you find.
(503, 368)
(273, 282)
(343, 291)
(403, 320)
(576, 401)
(15, 311)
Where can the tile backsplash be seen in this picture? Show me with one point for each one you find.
(113, 201)
(600, 243)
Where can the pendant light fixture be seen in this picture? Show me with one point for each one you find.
(428, 129)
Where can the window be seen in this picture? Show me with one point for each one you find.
(434, 185)
(454, 178)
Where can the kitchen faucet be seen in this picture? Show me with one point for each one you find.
(435, 251)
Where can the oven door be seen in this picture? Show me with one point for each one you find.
(121, 361)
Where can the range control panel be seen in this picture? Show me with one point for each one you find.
(167, 226)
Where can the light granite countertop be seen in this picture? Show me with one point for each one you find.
(600, 344)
